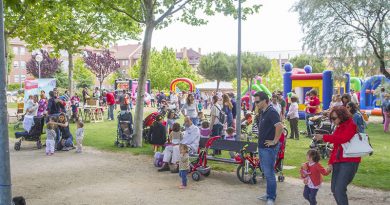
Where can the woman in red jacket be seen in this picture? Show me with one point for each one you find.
(344, 169)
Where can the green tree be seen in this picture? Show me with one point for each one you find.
(61, 79)
(83, 77)
(253, 65)
(317, 63)
(344, 28)
(274, 79)
(217, 66)
(153, 14)
(75, 24)
(164, 67)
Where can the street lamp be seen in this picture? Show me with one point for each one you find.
(238, 117)
(39, 59)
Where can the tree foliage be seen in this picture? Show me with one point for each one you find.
(82, 75)
(164, 67)
(217, 66)
(101, 65)
(253, 65)
(75, 24)
(274, 79)
(344, 29)
(61, 79)
(49, 65)
(317, 63)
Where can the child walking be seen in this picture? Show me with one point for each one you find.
(311, 172)
(79, 136)
(175, 136)
(50, 139)
(184, 165)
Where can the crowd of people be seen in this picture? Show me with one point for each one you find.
(270, 113)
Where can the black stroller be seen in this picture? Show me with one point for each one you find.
(33, 135)
(322, 125)
(124, 135)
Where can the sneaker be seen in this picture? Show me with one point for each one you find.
(262, 198)
(270, 202)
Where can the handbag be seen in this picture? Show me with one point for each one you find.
(358, 146)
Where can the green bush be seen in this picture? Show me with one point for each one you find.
(14, 86)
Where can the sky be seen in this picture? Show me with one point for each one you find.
(274, 28)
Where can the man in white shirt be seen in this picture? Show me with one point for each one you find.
(191, 138)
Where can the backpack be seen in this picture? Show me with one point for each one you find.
(222, 116)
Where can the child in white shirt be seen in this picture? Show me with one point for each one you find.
(79, 137)
(50, 142)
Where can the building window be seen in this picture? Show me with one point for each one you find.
(22, 64)
(127, 62)
(16, 64)
(22, 50)
(16, 78)
(15, 50)
(23, 77)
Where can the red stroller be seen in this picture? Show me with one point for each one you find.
(280, 156)
(148, 121)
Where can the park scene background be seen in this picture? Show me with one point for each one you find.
(94, 43)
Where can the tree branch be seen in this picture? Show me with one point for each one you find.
(171, 10)
(126, 13)
(12, 30)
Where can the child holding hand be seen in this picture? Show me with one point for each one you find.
(312, 172)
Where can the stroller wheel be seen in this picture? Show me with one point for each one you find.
(281, 178)
(116, 143)
(39, 144)
(247, 176)
(207, 173)
(121, 145)
(196, 176)
(17, 146)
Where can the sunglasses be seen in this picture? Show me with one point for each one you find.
(333, 118)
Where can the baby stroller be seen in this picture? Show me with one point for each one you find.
(322, 126)
(124, 130)
(148, 121)
(280, 156)
(33, 135)
(19, 115)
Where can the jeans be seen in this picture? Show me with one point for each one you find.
(195, 121)
(310, 195)
(111, 112)
(183, 176)
(309, 127)
(267, 162)
(343, 174)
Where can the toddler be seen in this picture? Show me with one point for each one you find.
(184, 165)
(175, 136)
(311, 172)
(231, 137)
(50, 139)
(200, 105)
(205, 130)
(79, 136)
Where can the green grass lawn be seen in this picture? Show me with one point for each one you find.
(12, 105)
(372, 171)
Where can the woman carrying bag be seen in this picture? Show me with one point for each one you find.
(344, 168)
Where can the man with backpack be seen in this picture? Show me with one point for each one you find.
(218, 118)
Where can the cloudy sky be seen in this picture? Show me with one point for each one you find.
(275, 28)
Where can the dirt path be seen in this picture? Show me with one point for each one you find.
(95, 177)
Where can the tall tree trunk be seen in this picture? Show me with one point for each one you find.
(383, 68)
(70, 72)
(139, 109)
(218, 81)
